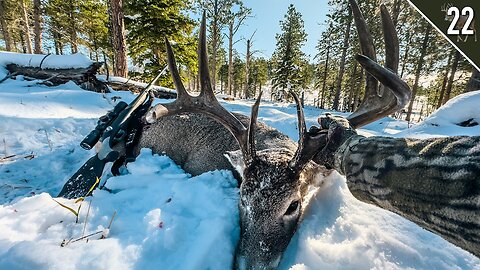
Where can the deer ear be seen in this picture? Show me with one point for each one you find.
(236, 159)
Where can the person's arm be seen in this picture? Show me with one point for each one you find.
(434, 182)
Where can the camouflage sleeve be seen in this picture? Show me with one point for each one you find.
(434, 182)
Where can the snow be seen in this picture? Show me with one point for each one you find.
(77, 60)
(166, 219)
(444, 121)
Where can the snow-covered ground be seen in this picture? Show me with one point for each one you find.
(166, 219)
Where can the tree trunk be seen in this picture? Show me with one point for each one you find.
(324, 84)
(73, 29)
(230, 58)
(445, 80)
(448, 90)
(341, 72)
(247, 70)
(5, 29)
(474, 82)
(396, 11)
(356, 99)
(37, 20)
(215, 41)
(120, 67)
(405, 55)
(353, 89)
(418, 72)
(26, 27)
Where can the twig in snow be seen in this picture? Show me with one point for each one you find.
(107, 230)
(48, 140)
(5, 147)
(86, 218)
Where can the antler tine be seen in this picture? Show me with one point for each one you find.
(251, 127)
(398, 87)
(308, 144)
(206, 89)
(172, 66)
(392, 51)
(377, 105)
(206, 103)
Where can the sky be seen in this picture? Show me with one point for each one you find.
(266, 21)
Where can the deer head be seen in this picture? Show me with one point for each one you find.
(445, 9)
(274, 181)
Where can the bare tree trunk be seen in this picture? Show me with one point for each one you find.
(352, 88)
(418, 72)
(474, 82)
(26, 27)
(247, 70)
(445, 80)
(356, 99)
(37, 20)
(120, 67)
(215, 41)
(230, 58)
(73, 29)
(5, 28)
(325, 73)
(405, 55)
(341, 72)
(448, 90)
(396, 11)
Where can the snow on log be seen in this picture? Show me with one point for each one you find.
(83, 77)
(53, 69)
(122, 84)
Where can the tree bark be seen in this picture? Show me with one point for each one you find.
(230, 58)
(448, 90)
(474, 82)
(341, 72)
(120, 67)
(324, 84)
(26, 27)
(5, 29)
(418, 72)
(353, 89)
(37, 19)
(215, 41)
(73, 29)
(247, 70)
(445, 80)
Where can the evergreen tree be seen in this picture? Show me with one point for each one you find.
(287, 56)
(148, 22)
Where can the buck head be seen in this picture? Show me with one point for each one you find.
(274, 181)
(270, 207)
(445, 9)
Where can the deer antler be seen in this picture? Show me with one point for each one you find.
(375, 105)
(206, 102)
(446, 6)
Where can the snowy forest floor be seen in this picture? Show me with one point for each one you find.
(166, 219)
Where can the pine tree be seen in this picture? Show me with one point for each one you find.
(148, 22)
(288, 55)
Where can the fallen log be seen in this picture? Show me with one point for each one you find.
(83, 77)
(135, 87)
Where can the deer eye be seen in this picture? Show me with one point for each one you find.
(292, 208)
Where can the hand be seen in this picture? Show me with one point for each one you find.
(338, 131)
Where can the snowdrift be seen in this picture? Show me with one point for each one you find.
(447, 119)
